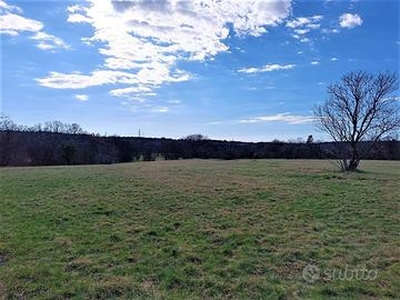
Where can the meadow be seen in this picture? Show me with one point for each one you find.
(201, 229)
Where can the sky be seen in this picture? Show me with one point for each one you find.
(230, 70)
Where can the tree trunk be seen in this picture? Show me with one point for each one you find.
(355, 160)
(353, 165)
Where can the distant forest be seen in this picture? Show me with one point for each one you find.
(56, 143)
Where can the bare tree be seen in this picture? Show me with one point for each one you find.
(360, 110)
(196, 137)
(73, 128)
(6, 124)
(54, 126)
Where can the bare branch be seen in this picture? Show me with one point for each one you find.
(359, 108)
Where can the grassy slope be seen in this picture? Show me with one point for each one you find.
(198, 230)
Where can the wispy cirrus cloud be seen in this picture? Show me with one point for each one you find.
(281, 117)
(350, 20)
(146, 39)
(267, 68)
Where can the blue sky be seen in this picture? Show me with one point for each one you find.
(234, 70)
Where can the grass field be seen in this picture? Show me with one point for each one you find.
(200, 229)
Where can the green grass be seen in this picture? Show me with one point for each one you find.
(198, 230)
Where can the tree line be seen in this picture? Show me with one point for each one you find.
(56, 143)
(6, 124)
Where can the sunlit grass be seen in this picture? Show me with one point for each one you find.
(198, 230)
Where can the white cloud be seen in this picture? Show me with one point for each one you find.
(79, 81)
(128, 90)
(334, 59)
(147, 38)
(303, 26)
(307, 23)
(267, 68)
(282, 117)
(49, 42)
(350, 20)
(315, 62)
(305, 40)
(74, 8)
(4, 7)
(12, 23)
(82, 97)
(301, 31)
